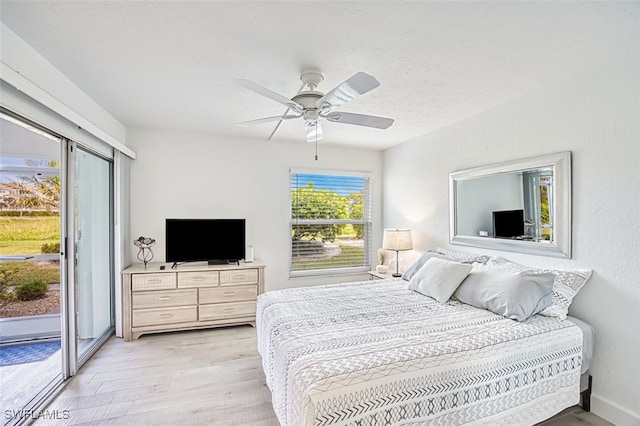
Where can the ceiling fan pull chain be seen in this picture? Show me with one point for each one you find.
(316, 140)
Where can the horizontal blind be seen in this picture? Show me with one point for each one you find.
(330, 222)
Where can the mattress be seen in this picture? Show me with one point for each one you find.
(587, 342)
(374, 352)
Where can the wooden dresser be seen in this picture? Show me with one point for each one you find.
(189, 297)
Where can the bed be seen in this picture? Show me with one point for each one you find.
(375, 353)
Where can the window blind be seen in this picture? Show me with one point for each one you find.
(330, 223)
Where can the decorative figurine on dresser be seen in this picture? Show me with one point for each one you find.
(145, 254)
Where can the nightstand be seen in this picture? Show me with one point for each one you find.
(373, 275)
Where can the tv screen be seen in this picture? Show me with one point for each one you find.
(213, 240)
(508, 223)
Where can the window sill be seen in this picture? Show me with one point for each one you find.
(328, 272)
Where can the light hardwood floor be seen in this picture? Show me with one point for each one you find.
(207, 377)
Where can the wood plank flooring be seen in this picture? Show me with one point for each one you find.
(211, 377)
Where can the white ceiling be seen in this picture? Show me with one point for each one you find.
(171, 65)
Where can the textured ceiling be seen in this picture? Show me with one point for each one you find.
(171, 65)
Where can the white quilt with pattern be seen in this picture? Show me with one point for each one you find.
(376, 353)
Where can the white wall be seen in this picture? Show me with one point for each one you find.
(188, 175)
(596, 116)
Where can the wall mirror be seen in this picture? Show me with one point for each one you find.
(522, 206)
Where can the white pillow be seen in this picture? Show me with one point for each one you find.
(513, 294)
(439, 278)
(566, 285)
(409, 273)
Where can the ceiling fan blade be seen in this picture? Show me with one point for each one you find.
(313, 130)
(275, 129)
(268, 119)
(359, 119)
(359, 84)
(261, 90)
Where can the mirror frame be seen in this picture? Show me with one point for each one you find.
(561, 165)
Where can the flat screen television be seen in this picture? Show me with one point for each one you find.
(217, 241)
(508, 223)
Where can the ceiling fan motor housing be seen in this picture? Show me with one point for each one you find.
(310, 115)
(307, 99)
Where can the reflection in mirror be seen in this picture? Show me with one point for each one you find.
(507, 205)
(519, 206)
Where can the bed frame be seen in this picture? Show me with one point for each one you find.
(585, 391)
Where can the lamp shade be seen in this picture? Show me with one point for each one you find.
(397, 239)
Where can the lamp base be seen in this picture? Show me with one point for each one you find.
(396, 275)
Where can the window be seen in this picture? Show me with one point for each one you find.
(538, 204)
(330, 223)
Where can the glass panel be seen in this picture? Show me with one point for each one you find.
(340, 246)
(30, 355)
(93, 249)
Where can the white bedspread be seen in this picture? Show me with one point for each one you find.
(376, 353)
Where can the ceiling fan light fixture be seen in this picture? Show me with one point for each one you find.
(313, 131)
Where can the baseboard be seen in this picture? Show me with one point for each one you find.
(612, 412)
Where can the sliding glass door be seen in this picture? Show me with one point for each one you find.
(30, 277)
(93, 249)
(56, 261)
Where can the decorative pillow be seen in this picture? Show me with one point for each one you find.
(462, 256)
(513, 294)
(409, 273)
(439, 278)
(566, 284)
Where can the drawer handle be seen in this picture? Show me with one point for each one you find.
(164, 298)
(166, 315)
(198, 278)
(241, 277)
(228, 309)
(229, 293)
(155, 281)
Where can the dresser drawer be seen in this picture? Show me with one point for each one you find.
(242, 276)
(141, 282)
(158, 299)
(198, 279)
(161, 316)
(228, 294)
(227, 310)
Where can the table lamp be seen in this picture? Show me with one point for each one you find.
(397, 240)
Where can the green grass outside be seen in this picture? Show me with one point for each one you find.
(26, 235)
(17, 273)
(17, 248)
(343, 260)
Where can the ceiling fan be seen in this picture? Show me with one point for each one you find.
(312, 106)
